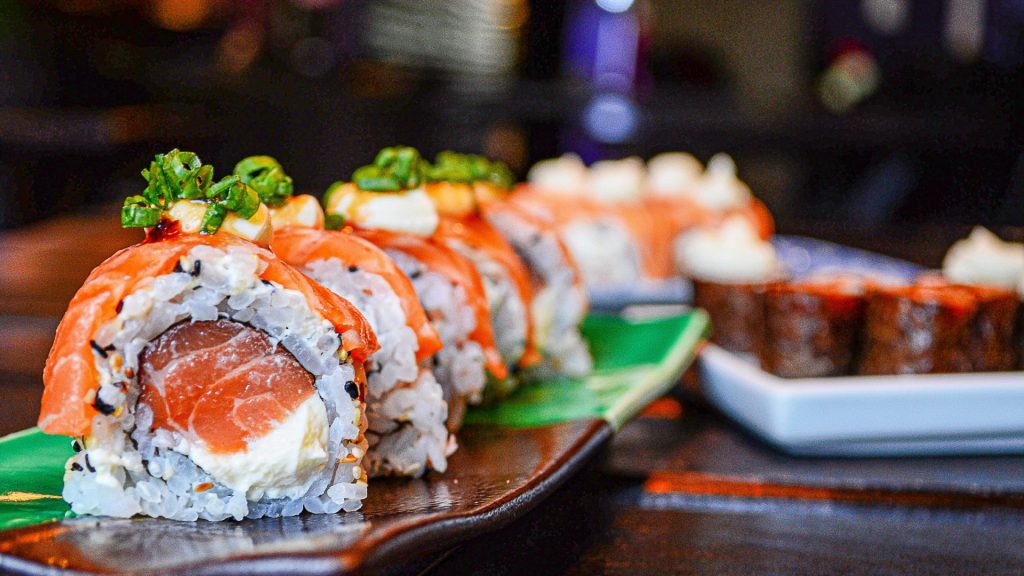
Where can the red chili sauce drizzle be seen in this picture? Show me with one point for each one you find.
(167, 228)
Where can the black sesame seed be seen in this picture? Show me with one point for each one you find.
(265, 282)
(197, 268)
(76, 446)
(416, 274)
(120, 305)
(76, 467)
(88, 464)
(102, 407)
(352, 389)
(98, 349)
(109, 348)
(353, 268)
(177, 267)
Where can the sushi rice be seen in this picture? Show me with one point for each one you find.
(405, 405)
(604, 250)
(459, 366)
(124, 468)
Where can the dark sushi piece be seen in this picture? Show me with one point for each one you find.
(993, 346)
(918, 329)
(811, 327)
(737, 313)
(731, 268)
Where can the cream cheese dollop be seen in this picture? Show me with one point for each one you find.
(566, 175)
(408, 211)
(281, 464)
(983, 258)
(719, 188)
(733, 253)
(618, 180)
(673, 174)
(257, 228)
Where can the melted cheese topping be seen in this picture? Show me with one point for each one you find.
(410, 211)
(258, 228)
(452, 198)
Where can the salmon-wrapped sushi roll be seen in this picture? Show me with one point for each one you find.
(559, 301)
(688, 195)
(401, 219)
(590, 216)
(405, 405)
(460, 228)
(201, 376)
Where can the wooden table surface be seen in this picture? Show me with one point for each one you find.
(680, 490)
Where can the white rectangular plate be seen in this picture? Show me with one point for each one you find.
(975, 413)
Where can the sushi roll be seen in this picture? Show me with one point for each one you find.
(507, 280)
(560, 300)
(600, 239)
(731, 268)
(685, 195)
(393, 212)
(200, 375)
(811, 327)
(995, 271)
(917, 329)
(462, 229)
(405, 408)
(455, 299)
(992, 346)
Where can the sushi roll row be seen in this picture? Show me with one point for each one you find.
(967, 319)
(624, 220)
(257, 355)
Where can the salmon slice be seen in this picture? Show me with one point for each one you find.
(298, 246)
(70, 377)
(220, 382)
(459, 270)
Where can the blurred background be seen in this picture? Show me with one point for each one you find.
(841, 114)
